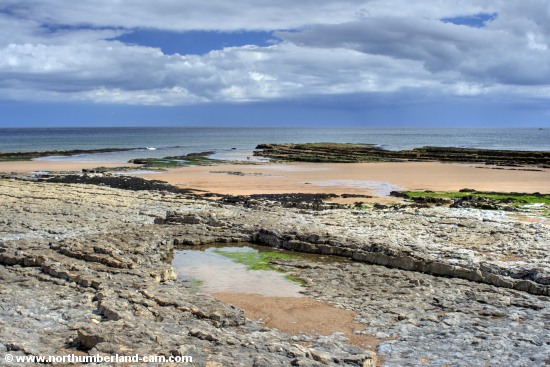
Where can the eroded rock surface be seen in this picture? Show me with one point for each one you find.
(434, 321)
(86, 269)
(353, 153)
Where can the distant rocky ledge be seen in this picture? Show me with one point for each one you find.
(355, 153)
(25, 156)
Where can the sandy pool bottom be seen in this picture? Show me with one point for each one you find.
(297, 315)
(267, 296)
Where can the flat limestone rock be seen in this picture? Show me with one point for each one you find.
(86, 269)
(354, 153)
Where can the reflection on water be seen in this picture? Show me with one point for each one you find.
(137, 172)
(218, 273)
(237, 155)
(294, 168)
(379, 188)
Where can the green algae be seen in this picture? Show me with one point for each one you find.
(254, 260)
(260, 260)
(517, 199)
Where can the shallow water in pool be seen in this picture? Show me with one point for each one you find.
(217, 273)
(213, 272)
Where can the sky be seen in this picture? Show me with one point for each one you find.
(288, 63)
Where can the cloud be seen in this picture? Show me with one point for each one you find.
(221, 15)
(53, 50)
(492, 54)
(142, 75)
(186, 15)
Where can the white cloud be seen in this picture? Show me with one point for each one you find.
(123, 74)
(53, 50)
(490, 54)
(188, 14)
(223, 15)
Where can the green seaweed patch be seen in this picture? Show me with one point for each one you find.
(17, 158)
(196, 283)
(362, 206)
(27, 156)
(260, 261)
(197, 159)
(517, 199)
(161, 163)
(255, 260)
(192, 159)
(294, 279)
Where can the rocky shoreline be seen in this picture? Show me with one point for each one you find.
(18, 156)
(327, 152)
(356, 153)
(86, 268)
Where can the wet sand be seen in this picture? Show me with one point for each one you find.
(295, 315)
(353, 178)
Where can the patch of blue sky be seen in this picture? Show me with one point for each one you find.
(476, 21)
(196, 42)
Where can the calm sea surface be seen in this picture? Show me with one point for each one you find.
(237, 143)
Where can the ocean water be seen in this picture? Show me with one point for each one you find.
(238, 143)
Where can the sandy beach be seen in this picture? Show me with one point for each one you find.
(376, 179)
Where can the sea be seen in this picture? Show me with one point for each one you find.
(238, 143)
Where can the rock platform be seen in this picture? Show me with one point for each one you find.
(355, 153)
(86, 269)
